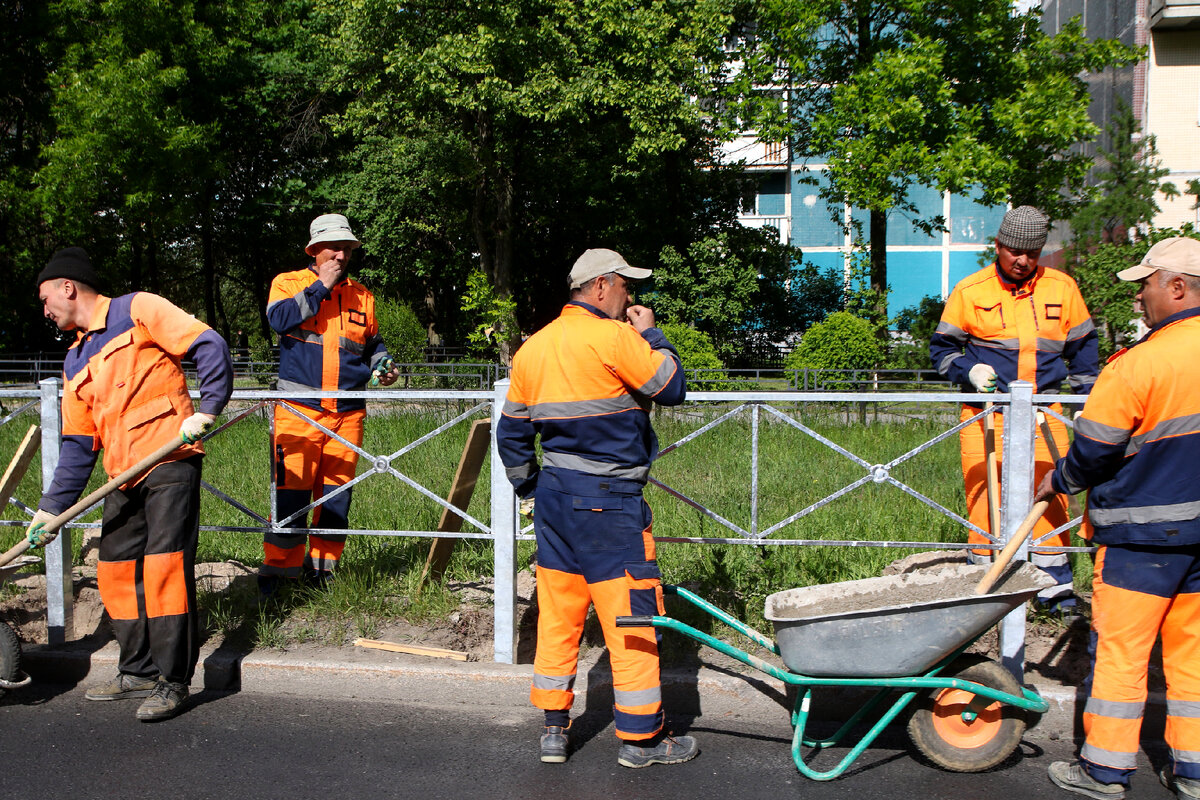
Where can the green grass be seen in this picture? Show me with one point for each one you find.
(378, 574)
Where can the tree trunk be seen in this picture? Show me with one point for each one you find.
(207, 268)
(879, 281)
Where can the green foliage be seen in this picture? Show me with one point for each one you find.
(491, 314)
(695, 348)
(403, 334)
(841, 341)
(916, 325)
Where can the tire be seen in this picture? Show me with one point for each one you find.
(10, 654)
(940, 734)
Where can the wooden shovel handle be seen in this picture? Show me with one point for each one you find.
(985, 585)
(98, 495)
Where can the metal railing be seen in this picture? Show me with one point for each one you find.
(502, 526)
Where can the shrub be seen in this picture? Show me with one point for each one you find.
(402, 332)
(840, 341)
(696, 351)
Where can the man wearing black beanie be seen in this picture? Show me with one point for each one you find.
(124, 392)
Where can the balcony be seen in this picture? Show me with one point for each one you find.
(1174, 14)
(782, 224)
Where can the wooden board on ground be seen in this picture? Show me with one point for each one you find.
(460, 496)
(414, 649)
(19, 464)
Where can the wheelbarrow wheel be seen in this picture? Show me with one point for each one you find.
(941, 733)
(10, 655)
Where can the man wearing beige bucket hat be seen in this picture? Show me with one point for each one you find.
(1135, 449)
(328, 341)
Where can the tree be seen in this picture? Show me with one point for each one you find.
(950, 94)
(510, 94)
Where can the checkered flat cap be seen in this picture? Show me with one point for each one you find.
(1023, 228)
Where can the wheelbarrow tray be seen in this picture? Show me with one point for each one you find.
(894, 626)
(11, 569)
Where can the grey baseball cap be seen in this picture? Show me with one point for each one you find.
(1023, 228)
(598, 261)
(1177, 254)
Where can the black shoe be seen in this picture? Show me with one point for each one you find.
(555, 744)
(167, 700)
(123, 687)
(1071, 775)
(669, 750)
(1182, 787)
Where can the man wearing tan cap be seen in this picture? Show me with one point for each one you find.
(328, 341)
(1017, 320)
(1137, 449)
(585, 384)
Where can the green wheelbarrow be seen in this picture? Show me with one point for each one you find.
(904, 634)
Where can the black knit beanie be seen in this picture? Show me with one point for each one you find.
(71, 263)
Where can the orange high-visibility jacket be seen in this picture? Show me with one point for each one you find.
(1136, 442)
(328, 339)
(1039, 332)
(124, 390)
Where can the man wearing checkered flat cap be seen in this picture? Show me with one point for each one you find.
(1017, 320)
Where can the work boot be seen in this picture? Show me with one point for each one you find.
(1071, 776)
(167, 700)
(668, 750)
(1182, 787)
(122, 687)
(555, 744)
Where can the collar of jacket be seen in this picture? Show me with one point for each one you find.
(1016, 288)
(589, 307)
(1178, 316)
(99, 320)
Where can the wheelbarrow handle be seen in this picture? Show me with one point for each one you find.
(636, 621)
(98, 495)
(1022, 532)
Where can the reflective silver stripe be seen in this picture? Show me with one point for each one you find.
(1183, 708)
(1145, 515)
(583, 408)
(1050, 345)
(1081, 330)
(951, 331)
(642, 697)
(1185, 756)
(1080, 381)
(301, 301)
(324, 563)
(1074, 485)
(284, 541)
(662, 375)
(285, 385)
(1049, 560)
(351, 346)
(605, 469)
(554, 683)
(944, 367)
(1108, 758)
(1098, 431)
(517, 410)
(1114, 709)
(521, 472)
(1179, 426)
(283, 572)
(997, 344)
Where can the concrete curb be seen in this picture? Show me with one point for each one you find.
(352, 673)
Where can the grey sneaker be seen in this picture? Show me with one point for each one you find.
(122, 687)
(669, 750)
(167, 700)
(1182, 787)
(1070, 775)
(555, 744)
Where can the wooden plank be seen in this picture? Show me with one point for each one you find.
(461, 490)
(19, 464)
(413, 649)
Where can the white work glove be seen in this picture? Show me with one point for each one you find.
(37, 533)
(983, 378)
(194, 427)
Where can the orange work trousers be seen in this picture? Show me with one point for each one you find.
(310, 465)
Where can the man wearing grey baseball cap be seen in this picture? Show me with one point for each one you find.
(585, 384)
(1135, 451)
(328, 341)
(1017, 320)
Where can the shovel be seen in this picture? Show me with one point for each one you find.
(96, 496)
(1022, 533)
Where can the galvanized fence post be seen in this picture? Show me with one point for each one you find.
(504, 540)
(60, 591)
(1017, 493)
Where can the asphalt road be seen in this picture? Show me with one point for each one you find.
(56, 744)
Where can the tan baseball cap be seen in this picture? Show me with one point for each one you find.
(598, 261)
(1177, 254)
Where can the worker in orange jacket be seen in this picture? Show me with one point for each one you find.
(1017, 320)
(585, 384)
(1135, 448)
(125, 392)
(328, 341)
